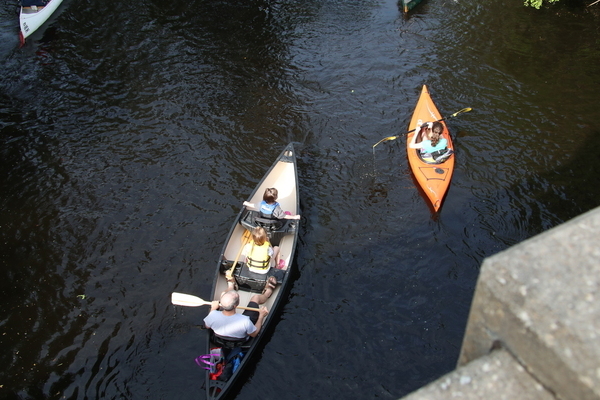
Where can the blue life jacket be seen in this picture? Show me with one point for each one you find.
(266, 210)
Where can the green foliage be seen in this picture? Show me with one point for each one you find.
(537, 3)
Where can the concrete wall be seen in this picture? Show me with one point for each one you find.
(534, 327)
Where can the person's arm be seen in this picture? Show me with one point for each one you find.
(208, 319)
(413, 143)
(249, 205)
(261, 316)
(280, 214)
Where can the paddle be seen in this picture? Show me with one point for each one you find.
(182, 299)
(245, 239)
(412, 130)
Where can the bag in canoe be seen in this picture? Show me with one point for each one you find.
(232, 363)
(214, 362)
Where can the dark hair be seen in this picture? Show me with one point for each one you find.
(437, 128)
(270, 195)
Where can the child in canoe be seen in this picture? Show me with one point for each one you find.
(260, 255)
(270, 208)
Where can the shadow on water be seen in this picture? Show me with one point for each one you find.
(560, 194)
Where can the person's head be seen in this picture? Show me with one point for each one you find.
(229, 300)
(270, 195)
(435, 133)
(259, 235)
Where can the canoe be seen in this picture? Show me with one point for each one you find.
(33, 15)
(434, 179)
(408, 5)
(283, 176)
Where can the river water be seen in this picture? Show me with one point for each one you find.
(131, 132)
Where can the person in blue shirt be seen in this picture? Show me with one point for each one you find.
(270, 208)
(432, 144)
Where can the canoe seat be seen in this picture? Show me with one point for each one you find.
(230, 343)
(253, 282)
(248, 280)
(251, 219)
(276, 228)
(269, 224)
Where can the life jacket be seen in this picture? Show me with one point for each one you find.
(259, 256)
(266, 210)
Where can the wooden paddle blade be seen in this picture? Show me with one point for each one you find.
(182, 299)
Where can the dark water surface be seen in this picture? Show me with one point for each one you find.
(131, 132)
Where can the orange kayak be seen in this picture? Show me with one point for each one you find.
(433, 178)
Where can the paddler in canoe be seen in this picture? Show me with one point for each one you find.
(231, 327)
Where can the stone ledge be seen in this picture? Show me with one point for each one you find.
(537, 304)
(539, 299)
(496, 376)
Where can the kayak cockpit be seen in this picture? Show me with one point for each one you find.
(437, 157)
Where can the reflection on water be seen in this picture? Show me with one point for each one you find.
(129, 140)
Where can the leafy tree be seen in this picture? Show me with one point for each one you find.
(537, 3)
